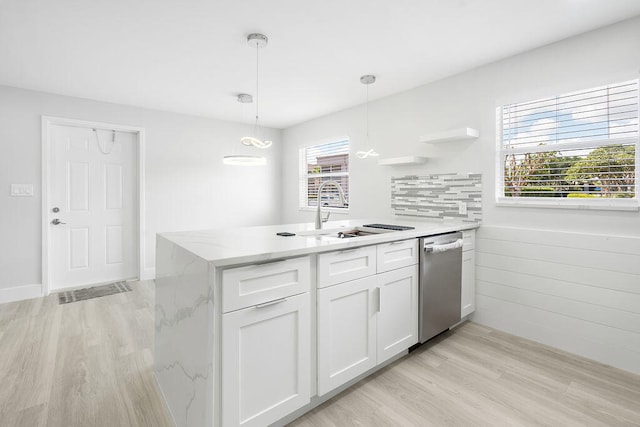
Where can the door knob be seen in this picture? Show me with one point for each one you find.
(56, 221)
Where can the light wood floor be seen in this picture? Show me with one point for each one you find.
(86, 363)
(89, 363)
(477, 376)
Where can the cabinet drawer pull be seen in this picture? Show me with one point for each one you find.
(344, 251)
(270, 261)
(274, 302)
(397, 242)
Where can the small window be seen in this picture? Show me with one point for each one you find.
(580, 148)
(320, 163)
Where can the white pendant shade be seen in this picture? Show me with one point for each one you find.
(249, 140)
(365, 154)
(242, 160)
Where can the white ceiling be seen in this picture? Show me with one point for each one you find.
(191, 56)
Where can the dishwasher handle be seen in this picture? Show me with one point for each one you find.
(431, 248)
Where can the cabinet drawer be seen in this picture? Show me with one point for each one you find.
(394, 255)
(341, 266)
(468, 240)
(254, 284)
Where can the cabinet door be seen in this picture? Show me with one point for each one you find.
(265, 361)
(346, 332)
(468, 291)
(398, 311)
(468, 240)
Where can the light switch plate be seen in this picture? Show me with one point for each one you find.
(22, 190)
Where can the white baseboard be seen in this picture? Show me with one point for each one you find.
(18, 293)
(149, 273)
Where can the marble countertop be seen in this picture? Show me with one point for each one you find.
(256, 244)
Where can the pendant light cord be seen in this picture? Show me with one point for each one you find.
(255, 126)
(367, 108)
(259, 40)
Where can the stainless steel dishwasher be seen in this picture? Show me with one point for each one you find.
(440, 283)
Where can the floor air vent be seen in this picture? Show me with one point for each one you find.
(95, 292)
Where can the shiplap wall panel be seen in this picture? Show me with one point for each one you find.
(605, 243)
(596, 342)
(569, 307)
(576, 291)
(587, 276)
(590, 294)
(572, 329)
(591, 258)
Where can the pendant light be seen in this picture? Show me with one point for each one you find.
(240, 159)
(367, 80)
(244, 160)
(369, 153)
(258, 41)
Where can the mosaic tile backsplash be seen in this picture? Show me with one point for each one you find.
(438, 196)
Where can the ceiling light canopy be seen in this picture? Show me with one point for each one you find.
(245, 98)
(368, 79)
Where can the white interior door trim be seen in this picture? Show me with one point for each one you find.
(47, 123)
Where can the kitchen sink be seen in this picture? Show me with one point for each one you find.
(342, 233)
(350, 232)
(355, 232)
(323, 232)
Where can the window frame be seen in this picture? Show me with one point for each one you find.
(303, 181)
(615, 204)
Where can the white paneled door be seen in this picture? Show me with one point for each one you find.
(93, 206)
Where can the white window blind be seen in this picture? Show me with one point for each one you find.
(581, 145)
(324, 162)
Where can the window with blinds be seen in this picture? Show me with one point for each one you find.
(320, 163)
(581, 145)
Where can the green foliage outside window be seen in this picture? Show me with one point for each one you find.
(605, 172)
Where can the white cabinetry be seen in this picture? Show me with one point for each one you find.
(346, 332)
(349, 264)
(363, 322)
(265, 356)
(468, 291)
(397, 319)
(393, 255)
(258, 283)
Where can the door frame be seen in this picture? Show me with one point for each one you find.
(47, 123)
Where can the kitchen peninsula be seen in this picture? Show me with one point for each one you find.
(252, 327)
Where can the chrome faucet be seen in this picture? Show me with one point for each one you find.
(343, 200)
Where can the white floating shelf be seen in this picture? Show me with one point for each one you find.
(462, 134)
(403, 161)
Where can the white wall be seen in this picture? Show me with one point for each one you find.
(469, 99)
(608, 55)
(187, 186)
